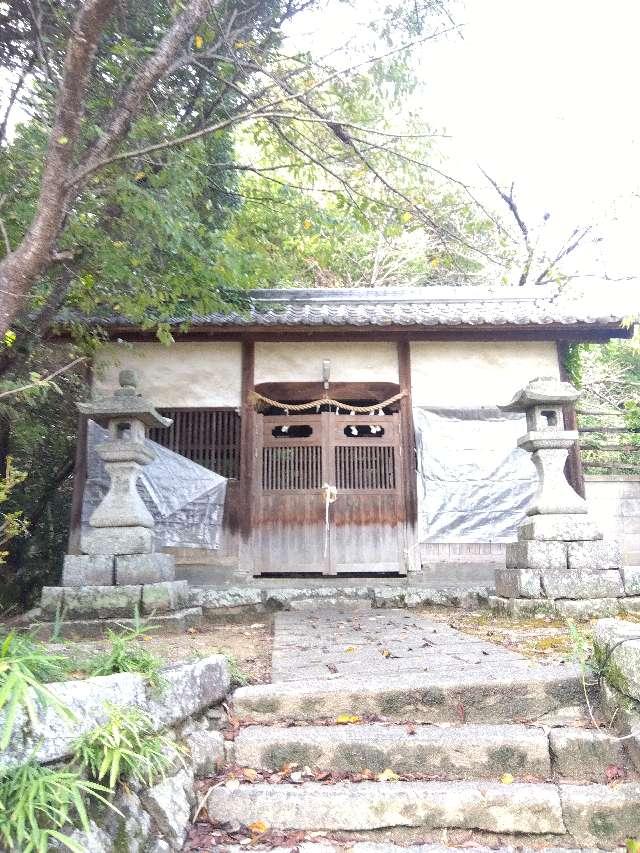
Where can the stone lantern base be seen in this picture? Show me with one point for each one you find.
(561, 565)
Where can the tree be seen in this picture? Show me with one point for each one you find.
(145, 91)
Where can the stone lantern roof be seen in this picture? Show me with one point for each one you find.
(126, 402)
(541, 391)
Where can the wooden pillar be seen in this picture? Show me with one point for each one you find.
(408, 455)
(79, 474)
(247, 426)
(573, 467)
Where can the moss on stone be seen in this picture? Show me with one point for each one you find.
(265, 706)
(601, 825)
(507, 758)
(606, 668)
(292, 753)
(359, 757)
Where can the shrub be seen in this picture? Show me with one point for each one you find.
(25, 667)
(125, 746)
(126, 655)
(36, 803)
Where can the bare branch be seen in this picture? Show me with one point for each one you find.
(45, 379)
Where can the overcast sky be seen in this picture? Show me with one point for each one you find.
(541, 92)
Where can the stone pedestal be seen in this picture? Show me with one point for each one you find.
(561, 563)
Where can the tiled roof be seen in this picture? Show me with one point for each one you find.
(599, 304)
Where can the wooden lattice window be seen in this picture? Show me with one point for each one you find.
(210, 437)
(291, 468)
(361, 468)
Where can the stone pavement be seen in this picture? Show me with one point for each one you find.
(379, 644)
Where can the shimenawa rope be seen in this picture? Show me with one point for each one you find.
(328, 401)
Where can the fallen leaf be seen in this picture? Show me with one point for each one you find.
(506, 779)
(387, 776)
(385, 653)
(249, 774)
(346, 719)
(332, 667)
(258, 827)
(350, 649)
(410, 729)
(198, 42)
(613, 773)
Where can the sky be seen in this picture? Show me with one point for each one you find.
(540, 92)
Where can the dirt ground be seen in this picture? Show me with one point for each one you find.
(247, 644)
(543, 638)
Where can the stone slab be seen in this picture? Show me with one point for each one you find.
(101, 602)
(521, 607)
(449, 753)
(518, 583)
(631, 579)
(87, 570)
(601, 815)
(187, 689)
(580, 583)
(588, 608)
(516, 808)
(620, 642)
(504, 692)
(164, 597)
(630, 604)
(94, 629)
(169, 804)
(562, 528)
(206, 751)
(144, 568)
(533, 554)
(117, 540)
(584, 754)
(594, 556)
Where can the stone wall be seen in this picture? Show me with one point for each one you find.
(614, 503)
(616, 645)
(154, 819)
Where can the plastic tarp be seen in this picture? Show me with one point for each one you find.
(474, 483)
(185, 499)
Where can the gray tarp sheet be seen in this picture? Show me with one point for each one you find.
(474, 483)
(185, 499)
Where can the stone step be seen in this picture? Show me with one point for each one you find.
(588, 815)
(522, 692)
(451, 752)
(448, 753)
(327, 846)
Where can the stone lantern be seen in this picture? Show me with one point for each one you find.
(548, 442)
(561, 563)
(120, 530)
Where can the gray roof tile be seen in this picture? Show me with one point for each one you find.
(597, 303)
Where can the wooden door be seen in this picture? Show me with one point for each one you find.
(367, 519)
(304, 460)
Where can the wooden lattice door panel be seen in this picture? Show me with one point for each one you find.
(288, 518)
(296, 457)
(367, 519)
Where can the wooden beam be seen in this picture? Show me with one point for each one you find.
(302, 392)
(573, 467)
(247, 426)
(408, 453)
(79, 482)
(79, 472)
(552, 332)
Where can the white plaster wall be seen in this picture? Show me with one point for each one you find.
(469, 373)
(350, 362)
(206, 373)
